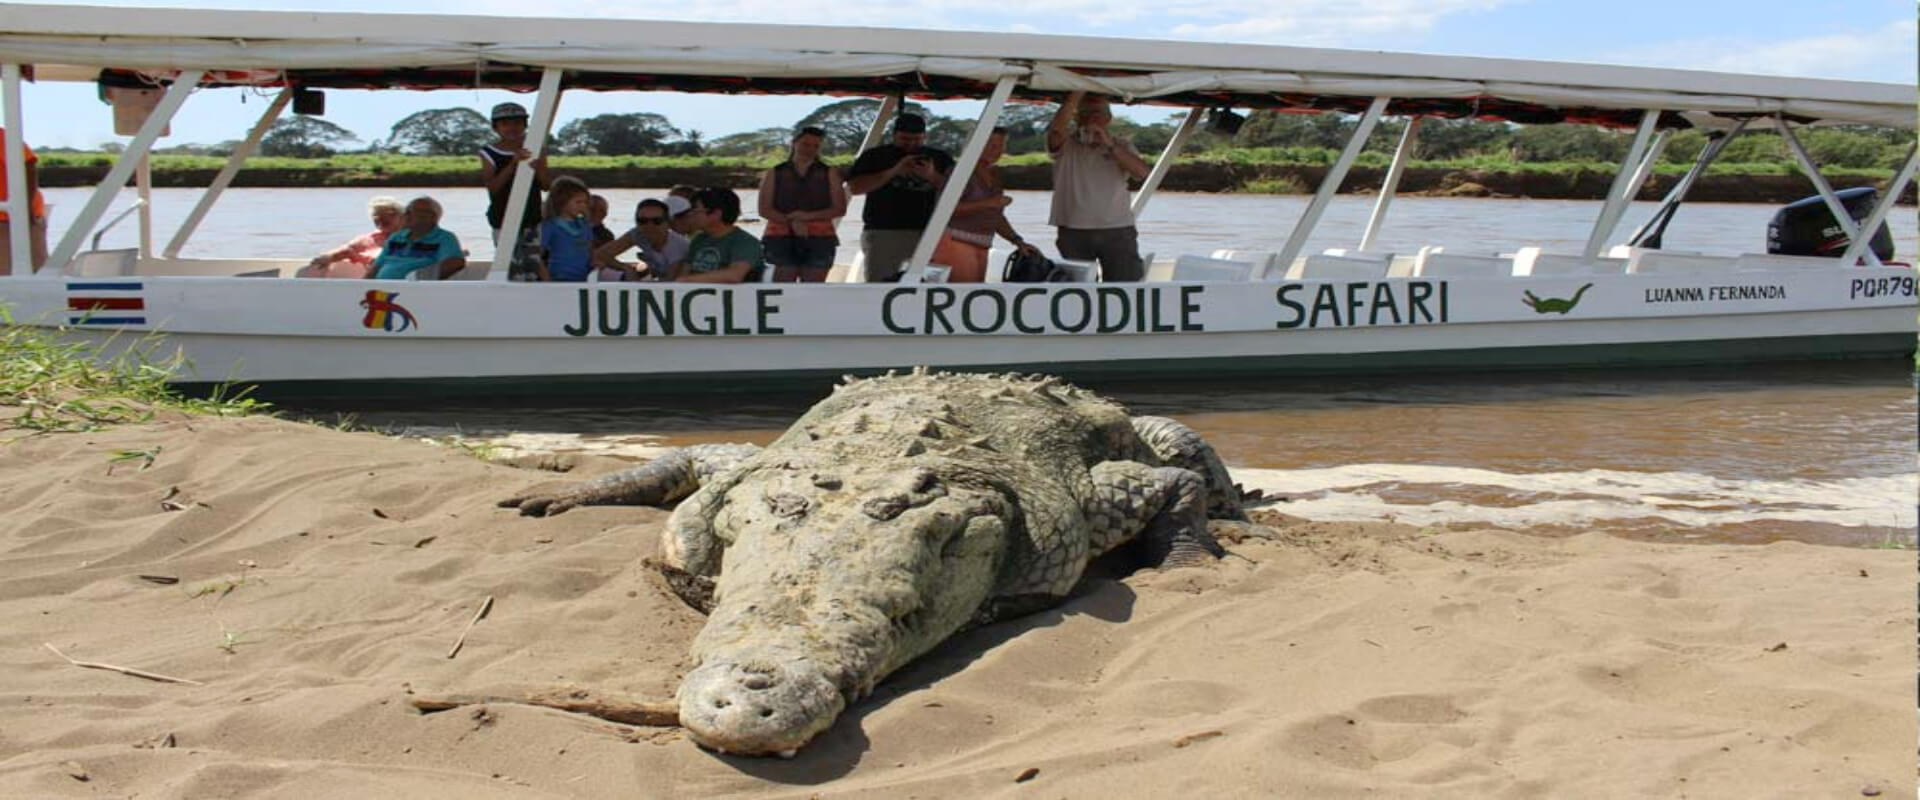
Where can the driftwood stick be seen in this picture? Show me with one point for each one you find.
(625, 711)
(485, 606)
(138, 673)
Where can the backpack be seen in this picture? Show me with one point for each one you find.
(1031, 267)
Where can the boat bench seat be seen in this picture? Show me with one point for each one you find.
(1456, 265)
(1530, 261)
(1661, 262)
(1332, 266)
(104, 263)
(1263, 261)
(1201, 268)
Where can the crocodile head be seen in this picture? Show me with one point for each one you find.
(829, 582)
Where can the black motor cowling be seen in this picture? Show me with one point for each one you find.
(1806, 228)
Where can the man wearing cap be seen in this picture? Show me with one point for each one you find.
(497, 163)
(902, 182)
(1091, 207)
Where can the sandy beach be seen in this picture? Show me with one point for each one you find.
(313, 581)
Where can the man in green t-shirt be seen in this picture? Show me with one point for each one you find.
(720, 252)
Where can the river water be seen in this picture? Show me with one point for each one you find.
(1812, 452)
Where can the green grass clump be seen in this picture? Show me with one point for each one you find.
(53, 385)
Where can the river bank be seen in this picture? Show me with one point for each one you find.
(310, 583)
(1185, 177)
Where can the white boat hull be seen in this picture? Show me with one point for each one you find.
(372, 336)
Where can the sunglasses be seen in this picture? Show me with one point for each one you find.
(650, 220)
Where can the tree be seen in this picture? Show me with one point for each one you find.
(846, 122)
(766, 141)
(441, 132)
(1570, 143)
(1443, 139)
(304, 137)
(638, 134)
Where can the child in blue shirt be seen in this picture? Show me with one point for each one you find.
(565, 234)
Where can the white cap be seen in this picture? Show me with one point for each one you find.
(676, 205)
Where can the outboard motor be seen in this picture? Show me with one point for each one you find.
(1806, 228)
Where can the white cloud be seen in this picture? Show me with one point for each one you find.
(1883, 53)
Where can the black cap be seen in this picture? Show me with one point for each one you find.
(910, 123)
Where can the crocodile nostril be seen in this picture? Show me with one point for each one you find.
(766, 713)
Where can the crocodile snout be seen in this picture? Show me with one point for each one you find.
(758, 706)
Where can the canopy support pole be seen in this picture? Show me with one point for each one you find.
(508, 237)
(1160, 167)
(1401, 155)
(1622, 189)
(1329, 186)
(1649, 232)
(225, 178)
(889, 106)
(116, 179)
(19, 205)
(1839, 209)
(1861, 242)
(1645, 169)
(962, 171)
(143, 187)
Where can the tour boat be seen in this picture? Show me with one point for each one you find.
(1619, 299)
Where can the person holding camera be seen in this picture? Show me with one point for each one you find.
(1091, 207)
(902, 182)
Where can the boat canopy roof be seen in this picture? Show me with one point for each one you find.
(417, 51)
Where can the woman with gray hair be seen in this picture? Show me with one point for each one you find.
(355, 258)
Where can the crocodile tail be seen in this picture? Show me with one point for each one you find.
(1576, 295)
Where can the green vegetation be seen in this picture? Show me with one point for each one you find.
(48, 385)
(401, 166)
(440, 143)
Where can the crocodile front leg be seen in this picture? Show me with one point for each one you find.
(1165, 508)
(674, 475)
(1177, 445)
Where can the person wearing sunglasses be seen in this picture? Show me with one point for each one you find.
(659, 245)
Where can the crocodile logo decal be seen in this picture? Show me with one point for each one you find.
(1553, 305)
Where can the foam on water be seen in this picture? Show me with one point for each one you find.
(1430, 495)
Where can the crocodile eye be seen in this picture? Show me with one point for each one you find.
(884, 508)
(924, 480)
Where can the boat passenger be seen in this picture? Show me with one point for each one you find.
(597, 209)
(498, 162)
(800, 199)
(681, 222)
(903, 181)
(720, 251)
(36, 213)
(566, 238)
(660, 246)
(355, 258)
(1091, 207)
(422, 246)
(980, 215)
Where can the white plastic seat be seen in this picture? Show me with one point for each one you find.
(1197, 268)
(1321, 266)
(1082, 271)
(1264, 262)
(1531, 261)
(104, 263)
(1454, 265)
(1660, 262)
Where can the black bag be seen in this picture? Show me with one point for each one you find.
(1026, 266)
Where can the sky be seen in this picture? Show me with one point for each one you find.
(1850, 39)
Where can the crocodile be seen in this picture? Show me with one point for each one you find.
(896, 512)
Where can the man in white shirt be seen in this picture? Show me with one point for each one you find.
(1091, 206)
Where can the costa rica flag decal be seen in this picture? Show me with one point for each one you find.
(106, 303)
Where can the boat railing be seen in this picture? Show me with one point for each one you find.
(136, 205)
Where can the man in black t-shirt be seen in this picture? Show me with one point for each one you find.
(902, 182)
